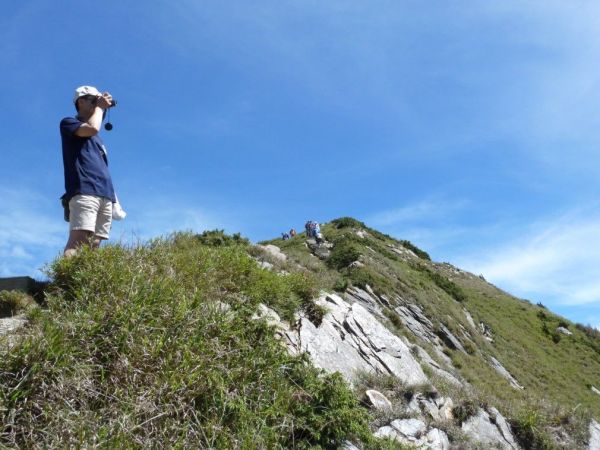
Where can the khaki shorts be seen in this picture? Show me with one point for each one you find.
(90, 213)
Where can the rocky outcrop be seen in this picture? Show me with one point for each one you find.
(490, 428)
(450, 340)
(414, 432)
(436, 408)
(351, 340)
(505, 373)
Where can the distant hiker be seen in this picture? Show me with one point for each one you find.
(285, 236)
(89, 193)
(292, 232)
(313, 230)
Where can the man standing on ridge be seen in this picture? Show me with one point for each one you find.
(88, 185)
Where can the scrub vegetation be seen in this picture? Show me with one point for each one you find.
(156, 346)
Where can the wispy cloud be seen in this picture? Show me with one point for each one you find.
(556, 258)
(424, 210)
(31, 231)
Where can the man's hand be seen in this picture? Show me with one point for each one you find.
(104, 101)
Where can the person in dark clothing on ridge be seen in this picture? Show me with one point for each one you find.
(88, 184)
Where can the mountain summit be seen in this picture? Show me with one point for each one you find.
(357, 341)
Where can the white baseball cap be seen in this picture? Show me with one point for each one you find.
(85, 90)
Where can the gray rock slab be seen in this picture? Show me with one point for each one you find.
(436, 439)
(412, 429)
(450, 340)
(505, 373)
(595, 390)
(594, 430)
(438, 409)
(470, 319)
(413, 318)
(480, 429)
(564, 330)
(350, 340)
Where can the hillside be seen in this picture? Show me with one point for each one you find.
(162, 345)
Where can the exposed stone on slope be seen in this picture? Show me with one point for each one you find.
(437, 408)
(505, 373)
(372, 303)
(594, 430)
(414, 432)
(413, 318)
(451, 341)
(426, 359)
(490, 429)
(403, 252)
(274, 251)
(469, 318)
(486, 332)
(319, 250)
(378, 401)
(351, 340)
(564, 330)
(595, 390)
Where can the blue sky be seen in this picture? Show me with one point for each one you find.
(469, 128)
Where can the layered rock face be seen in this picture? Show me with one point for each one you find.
(350, 340)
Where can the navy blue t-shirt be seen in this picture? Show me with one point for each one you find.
(85, 162)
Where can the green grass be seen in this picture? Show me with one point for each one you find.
(154, 346)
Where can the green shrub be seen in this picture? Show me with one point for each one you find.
(343, 253)
(347, 222)
(218, 238)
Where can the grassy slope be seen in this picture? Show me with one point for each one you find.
(556, 370)
(154, 346)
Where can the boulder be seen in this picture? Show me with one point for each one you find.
(274, 251)
(492, 430)
(378, 401)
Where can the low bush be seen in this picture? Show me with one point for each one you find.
(344, 252)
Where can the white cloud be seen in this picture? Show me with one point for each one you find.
(31, 231)
(558, 259)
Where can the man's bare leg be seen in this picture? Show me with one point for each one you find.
(77, 238)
